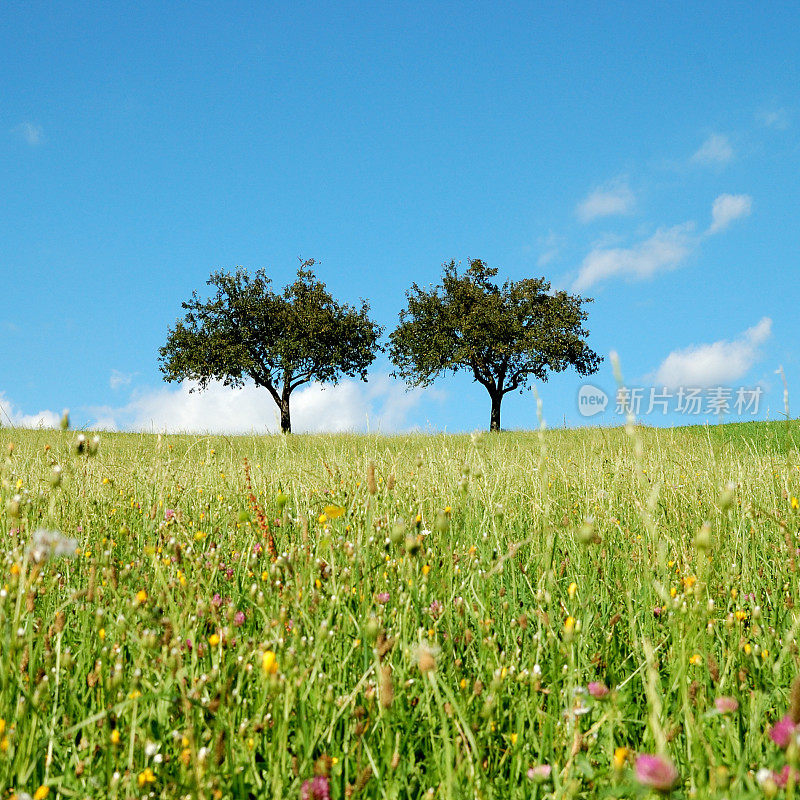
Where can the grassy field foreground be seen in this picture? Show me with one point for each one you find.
(572, 614)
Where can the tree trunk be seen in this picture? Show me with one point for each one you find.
(497, 398)
(286, 420)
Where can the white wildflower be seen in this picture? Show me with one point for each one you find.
(763, 775)
(46, 544)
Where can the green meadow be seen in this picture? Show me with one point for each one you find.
(588, 613)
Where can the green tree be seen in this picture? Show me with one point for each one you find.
(503, 335)
(280, 341)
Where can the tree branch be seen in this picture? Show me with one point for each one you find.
(304, 377)
(267, 384)
(489, 384)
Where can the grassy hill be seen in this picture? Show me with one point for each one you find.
(448, 616)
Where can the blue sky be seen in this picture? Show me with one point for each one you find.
(645, 155)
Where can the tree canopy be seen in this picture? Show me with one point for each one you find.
(280, 341)
(503, 335)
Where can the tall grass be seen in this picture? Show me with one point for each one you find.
(441, 617)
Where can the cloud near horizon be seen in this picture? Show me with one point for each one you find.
(15, 418)
(381, 404)
(714, 364)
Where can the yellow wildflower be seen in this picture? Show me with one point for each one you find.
(146, 777)
(269, 663)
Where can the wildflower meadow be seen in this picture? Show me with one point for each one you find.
(595, 613)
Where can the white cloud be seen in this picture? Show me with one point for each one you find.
(107, 423)
(32, 134)
(381, 404)
(664, 250)
(613, 198)
(727, 208)
(13, 417)
(774, 118)
(550, 247)
(714, 364)
(716, 149)
(119, 379)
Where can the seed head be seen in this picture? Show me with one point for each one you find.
(703, 538)
(426, 657)
(46, 544)
(726, 497)
(386, 686)
(794, 701)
